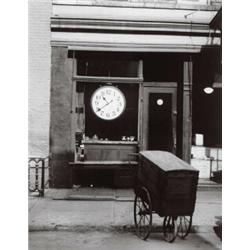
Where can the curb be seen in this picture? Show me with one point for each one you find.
(110, 228)
(96, 198)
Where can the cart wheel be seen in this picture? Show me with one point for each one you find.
(143, 213)
(184, 224)
(169, 228)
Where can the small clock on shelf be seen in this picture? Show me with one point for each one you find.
(108, 102)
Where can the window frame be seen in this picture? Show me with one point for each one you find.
(100, 79)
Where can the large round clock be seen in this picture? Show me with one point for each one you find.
(108, 102)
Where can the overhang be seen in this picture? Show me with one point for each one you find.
(131, 42)
(102, 28)
(133, 14)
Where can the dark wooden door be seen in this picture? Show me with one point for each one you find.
(159, 115)
(160, 130)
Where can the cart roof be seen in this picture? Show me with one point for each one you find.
(166, 161)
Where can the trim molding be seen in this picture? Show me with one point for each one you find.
(132, 43)
(92, 25)
(130, 47)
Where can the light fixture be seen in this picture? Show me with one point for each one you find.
(159, 102)
(208, 90)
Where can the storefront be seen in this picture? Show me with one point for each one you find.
(118, 87)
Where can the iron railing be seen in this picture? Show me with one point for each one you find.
(38, 174)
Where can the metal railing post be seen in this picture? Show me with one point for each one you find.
(42, 178)
(39, 181)
(36, 176)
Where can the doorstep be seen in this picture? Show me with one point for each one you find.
(91, 194)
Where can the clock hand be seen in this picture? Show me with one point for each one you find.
(99, 109)
(104, 99)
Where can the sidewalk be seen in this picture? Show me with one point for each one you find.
(97, 209)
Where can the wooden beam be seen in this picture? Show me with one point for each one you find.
(71, 62)
(187, 110)
(97, 79)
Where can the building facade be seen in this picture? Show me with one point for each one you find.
(123, 78)
(39, 76)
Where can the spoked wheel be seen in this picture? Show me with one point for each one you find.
(184, 224)
(143, 213)
(169, 228)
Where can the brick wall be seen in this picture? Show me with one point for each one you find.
(39, 76)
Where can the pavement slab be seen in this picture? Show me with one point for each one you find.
(119, 241)
(112, 214)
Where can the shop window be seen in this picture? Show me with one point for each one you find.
(103, 67)
(106, 106)
(122, 128)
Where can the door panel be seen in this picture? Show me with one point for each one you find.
(160, 129)
(159, 120)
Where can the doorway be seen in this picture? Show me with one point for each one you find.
(160, 131)
(159, 117)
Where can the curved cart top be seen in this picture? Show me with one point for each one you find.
(166, 161)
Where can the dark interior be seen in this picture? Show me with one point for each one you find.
(112, 129)
(107, 65)
(94, 178)
(207, 108)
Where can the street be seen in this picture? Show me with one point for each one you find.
(118, 241)
(82, 224)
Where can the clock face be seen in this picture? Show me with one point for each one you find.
(108, 102)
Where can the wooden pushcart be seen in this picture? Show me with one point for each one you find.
(165, 185)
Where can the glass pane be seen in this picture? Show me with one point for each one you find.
(124, 68)
(107, 67)
(113, 130)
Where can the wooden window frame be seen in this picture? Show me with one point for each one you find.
(103, 79)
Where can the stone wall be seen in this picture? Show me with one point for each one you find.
(39, 13)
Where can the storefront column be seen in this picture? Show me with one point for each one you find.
(187, 110)
(60, 120)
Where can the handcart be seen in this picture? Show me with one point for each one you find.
(165, 185)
